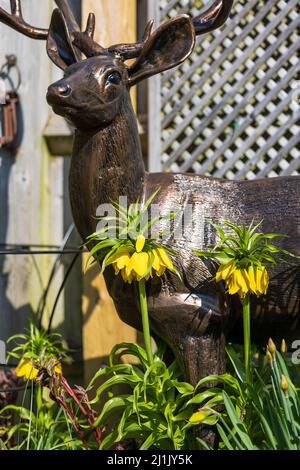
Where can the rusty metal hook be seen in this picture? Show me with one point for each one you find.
(5, 71)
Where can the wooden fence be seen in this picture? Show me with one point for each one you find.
(233, 109)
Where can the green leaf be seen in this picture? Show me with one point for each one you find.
(237, 363)
(148, 443)
(237, 423)
(124, 348)
(116, 380)
(111, 407)
(183, 387)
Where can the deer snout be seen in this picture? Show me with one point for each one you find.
(57, 92)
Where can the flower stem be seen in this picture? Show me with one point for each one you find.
(145, 319)
(247, 337)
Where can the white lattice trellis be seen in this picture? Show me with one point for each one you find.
(233, 109)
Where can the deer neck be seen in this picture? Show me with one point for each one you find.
(106, 164)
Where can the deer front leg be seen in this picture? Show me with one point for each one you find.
(194, 327)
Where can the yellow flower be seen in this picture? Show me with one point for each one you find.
(58, 366)
(119, 260)
(165, 260)
(262, 280)
(225, 270)
(251, 280)
(139, 263)
(26, 369)
(250, 273)
(140, 243)
(237, 283)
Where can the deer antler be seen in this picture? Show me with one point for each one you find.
(15, 20)
(84, 40)
(132, 51)
(68, 14)
(212, 18)
(207, 21)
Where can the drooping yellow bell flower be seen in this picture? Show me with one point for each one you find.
(251, 280)
(262, 280)
(119, 260)
(26, 369)
(225, 270)
(165, 260)
(140, 264)
(239, 283)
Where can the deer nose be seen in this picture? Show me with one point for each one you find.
(64, 90)
(57, 92)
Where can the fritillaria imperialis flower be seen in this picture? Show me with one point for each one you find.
(29, 370)
(251, 280)
(244, 257)
(133, 254)
(143, 263)
(26, 369)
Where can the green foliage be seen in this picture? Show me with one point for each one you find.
(265, 415)
(119, 232)
(41, 426)
(36, 344)
(245, 246)
(157, 410)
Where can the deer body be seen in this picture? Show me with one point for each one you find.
(193, 317)
(195, 326)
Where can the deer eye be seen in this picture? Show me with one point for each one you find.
(114, 78)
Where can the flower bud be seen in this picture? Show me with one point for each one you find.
(269, 356)
(283, 347)
(271, 346)
(284, 384)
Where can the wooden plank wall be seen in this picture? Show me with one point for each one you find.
(102, 329)
(30, 182)
(33, 194)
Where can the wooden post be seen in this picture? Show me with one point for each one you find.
(102, 328)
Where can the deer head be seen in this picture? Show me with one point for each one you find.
(93, 88)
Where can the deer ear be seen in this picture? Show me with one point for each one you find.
(168, 46)
(59, 43)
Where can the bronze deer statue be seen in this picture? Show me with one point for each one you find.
(195, 317)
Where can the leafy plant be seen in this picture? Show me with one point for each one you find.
(36, 344)
(42, 426)
(157, 411)
(39, 355)
(243, 258)
(265, 415)
(136, 258)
